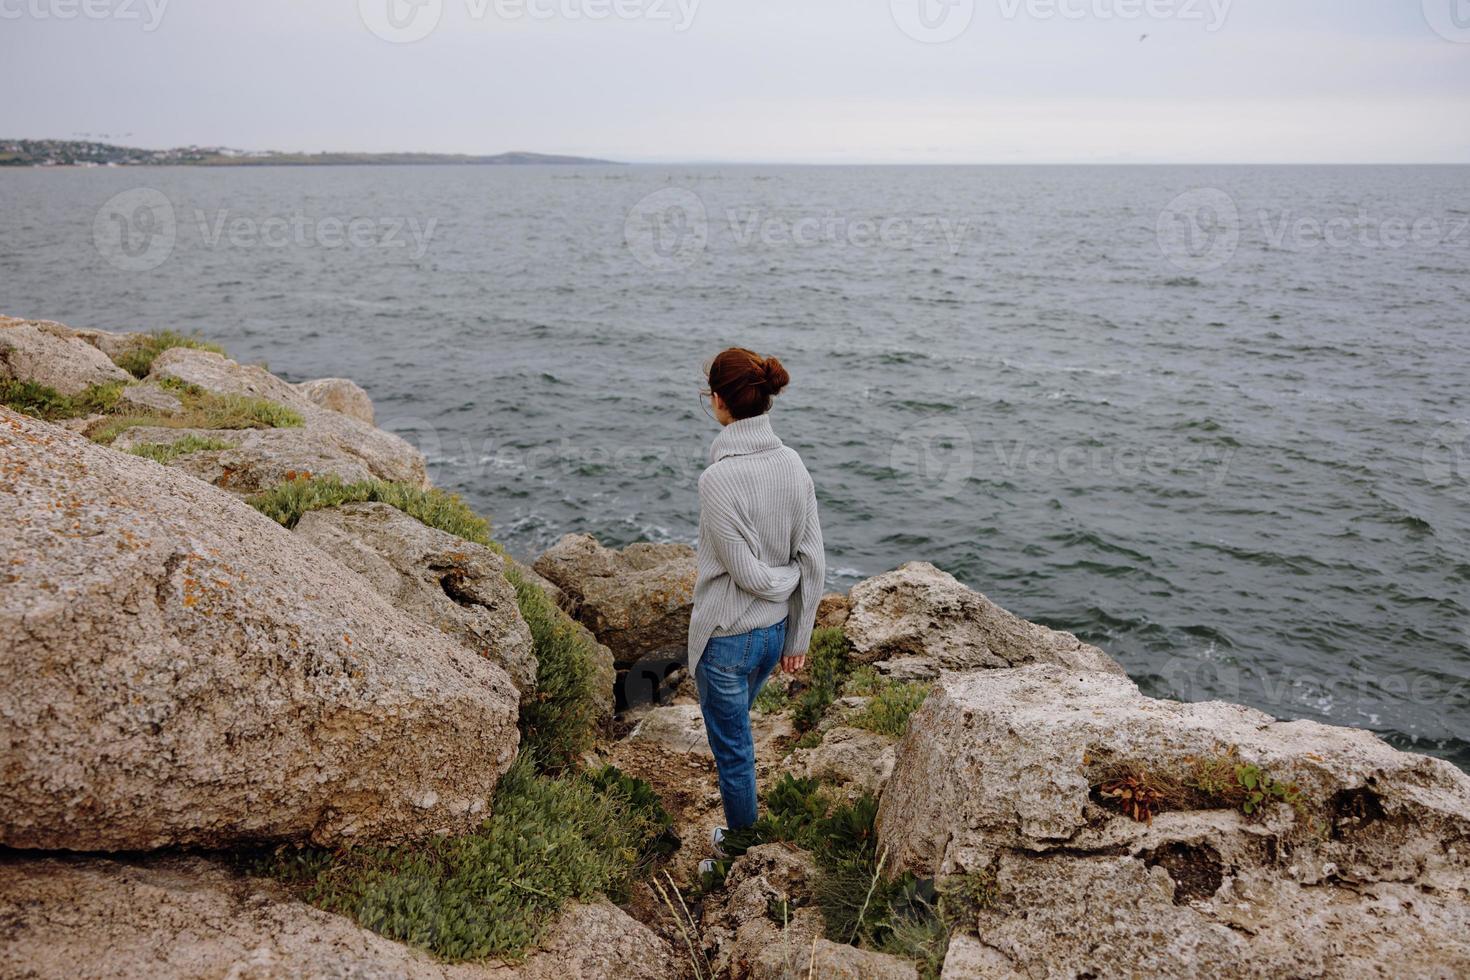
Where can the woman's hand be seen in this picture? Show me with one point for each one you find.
(793, 664)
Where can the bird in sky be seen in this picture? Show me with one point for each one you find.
(1142, 38)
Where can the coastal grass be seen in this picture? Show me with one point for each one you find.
(165, 452)
(288, 502)
(137, 359)
(46, 403)
(559, 721)
(202, 410)
(548, 840)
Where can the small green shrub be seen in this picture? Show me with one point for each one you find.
(888, 708)
(827, 667)
(491, 893)
(138, 358)
(48, 404)
(165, 452)
(771, 700)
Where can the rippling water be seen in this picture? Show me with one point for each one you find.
(1222, 436)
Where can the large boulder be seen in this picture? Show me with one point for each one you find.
(89, 919)
(1359, 865)
(52, 355)
(339, 395)
(636, 601)
(329, 443)
(919, 615)
(455, 585)
(183, 671)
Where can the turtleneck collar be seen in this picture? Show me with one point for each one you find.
(743, 437)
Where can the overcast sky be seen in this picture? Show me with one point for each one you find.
(941, 81)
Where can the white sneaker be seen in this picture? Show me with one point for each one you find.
(717, 840)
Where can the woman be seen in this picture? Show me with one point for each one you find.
(761, 568)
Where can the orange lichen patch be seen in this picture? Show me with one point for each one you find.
(346, 639)
(298, 474)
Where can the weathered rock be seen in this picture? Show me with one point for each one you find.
(52, 355)
(998, 774)
(339, 395)
(183, 671)
(257, 459)
(749, 943)
(853, 759)
(637, 601)
(148, 398)
(84, 918)
(454, 585)
(113, 344)
(918, 611)
(330, 443)
(832, 611)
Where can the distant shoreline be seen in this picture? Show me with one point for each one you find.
(73, 153)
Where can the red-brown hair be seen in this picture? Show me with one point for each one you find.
(746, 382)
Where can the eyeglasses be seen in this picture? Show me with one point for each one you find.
(704, 404)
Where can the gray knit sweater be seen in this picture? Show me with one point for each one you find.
(760, 543)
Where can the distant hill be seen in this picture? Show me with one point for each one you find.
(54, 153)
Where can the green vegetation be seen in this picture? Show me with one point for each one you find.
(204, 410)
(286, 503)
(137, 360)
(827, 667)
(832, 674)
(493, 892)
(889, 706)
(48, 404)
(861, 902)
(164, 452)
(1213, 782)
(559, 722)
(772, 699)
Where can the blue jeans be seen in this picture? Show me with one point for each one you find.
(731, 672)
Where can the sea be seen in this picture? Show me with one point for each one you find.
(1211, 419)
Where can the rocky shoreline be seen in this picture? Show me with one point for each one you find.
(276, 707)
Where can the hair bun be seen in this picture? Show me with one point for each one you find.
(776, 376)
